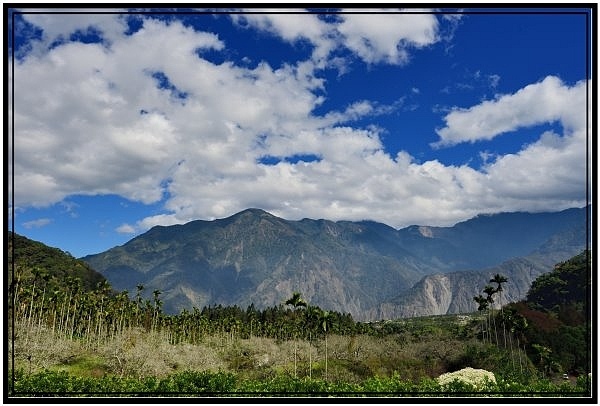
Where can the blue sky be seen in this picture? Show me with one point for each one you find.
(124, 121)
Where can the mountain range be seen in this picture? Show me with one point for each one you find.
(364, 268)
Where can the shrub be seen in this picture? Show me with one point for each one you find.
(478, 379)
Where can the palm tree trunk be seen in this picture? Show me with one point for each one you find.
(502, 315)
(325, 356)
(295, 353)
(309, 357)
(29, 322)
(483, 326)
(41, 315)
(73, 321)
(491, 312)
(519, 348)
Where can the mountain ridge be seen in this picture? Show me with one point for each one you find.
(356, 267)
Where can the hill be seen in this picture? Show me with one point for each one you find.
(34, 260)
(255, 257)
(557, 314)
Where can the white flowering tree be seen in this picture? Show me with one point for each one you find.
(477, 378)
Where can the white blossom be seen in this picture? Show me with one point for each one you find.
(475, 377)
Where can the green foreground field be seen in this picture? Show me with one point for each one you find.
(224, 384)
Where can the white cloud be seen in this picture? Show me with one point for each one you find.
(386, 37)
(494, 79)
(57, 28)
(552, 168)
(374, 35)
(91, 119)
(548, 173)
(70, 208)
(158, 220)
(290, 27)
(37, 223)
(149, 222)
(547, 101)
(360, 109)
(293, 28)
(78, 120)
(125, 229)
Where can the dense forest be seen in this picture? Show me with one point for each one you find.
(68, 326)
(558, 319)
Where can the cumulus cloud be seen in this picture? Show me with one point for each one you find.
(387, 37)
(89, 120)
(549, 172)
(375, 36)
(544, 102)
(290, 27)
(99, 119)
(294, 28)
(58, 28)
(552, 168)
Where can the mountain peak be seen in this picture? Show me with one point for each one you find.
(253, 211)
(246, 216)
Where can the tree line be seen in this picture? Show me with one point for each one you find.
(93, 315)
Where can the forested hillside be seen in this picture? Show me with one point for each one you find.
(48, 267)
(557, 316)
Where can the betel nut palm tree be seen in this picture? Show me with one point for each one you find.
(325, 321)
(482, 307)
(490, 291)
(499, 280)
(296, 301)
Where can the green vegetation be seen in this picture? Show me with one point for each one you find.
(567, 286)
(554, 322)
(552, 325)
(69, 339)
(46, 266)
(202, 383)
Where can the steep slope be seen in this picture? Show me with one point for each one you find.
(255, 257)
(52, 266)
(453, 292)
(559, 311)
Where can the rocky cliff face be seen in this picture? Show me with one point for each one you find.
(453, 292)
(365, 268)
